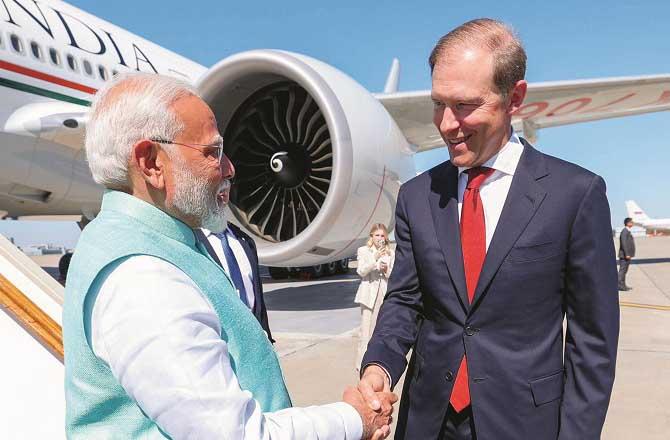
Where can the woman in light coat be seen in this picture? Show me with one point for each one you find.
(375, 261)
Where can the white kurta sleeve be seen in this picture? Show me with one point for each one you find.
(160, 337)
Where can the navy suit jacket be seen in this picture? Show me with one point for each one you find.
(249, 246)
(552, 255)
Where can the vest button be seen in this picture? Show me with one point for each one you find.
(470, 331)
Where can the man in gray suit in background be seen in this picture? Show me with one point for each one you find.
(626, 252)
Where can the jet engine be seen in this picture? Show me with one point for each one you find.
(318, 159)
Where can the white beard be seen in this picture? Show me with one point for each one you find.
(195, 197)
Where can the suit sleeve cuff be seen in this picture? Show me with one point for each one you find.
(388, 376)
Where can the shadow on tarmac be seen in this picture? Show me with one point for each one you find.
(650, 260)
(329, 295)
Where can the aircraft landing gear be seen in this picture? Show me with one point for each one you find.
(311, 272)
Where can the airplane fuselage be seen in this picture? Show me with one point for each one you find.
(54, 54)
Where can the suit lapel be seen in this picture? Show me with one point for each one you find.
(202, 238)
(523, 199)
(252, 262)
(443, 201)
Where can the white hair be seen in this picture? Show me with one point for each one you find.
(131, 107)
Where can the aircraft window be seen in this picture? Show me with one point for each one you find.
(36, 50)
(102, 72)
(88, 68)
(17, 44)
(54, 56)
(72, 63)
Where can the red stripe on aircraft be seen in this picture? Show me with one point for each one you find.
(46, 77)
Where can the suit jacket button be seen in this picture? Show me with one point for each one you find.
(470, 330)
(449, 376)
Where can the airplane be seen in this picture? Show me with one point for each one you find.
(640, 218)
(305, 137)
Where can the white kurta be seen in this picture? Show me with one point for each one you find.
(160, 337)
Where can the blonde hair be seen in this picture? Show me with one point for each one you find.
(376, 227)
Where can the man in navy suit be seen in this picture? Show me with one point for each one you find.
(494, 248)
(236, 252)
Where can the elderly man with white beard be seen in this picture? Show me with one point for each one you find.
(156, 346)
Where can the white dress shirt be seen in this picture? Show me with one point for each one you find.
(495, 188)
(160, 336)
(240, 256)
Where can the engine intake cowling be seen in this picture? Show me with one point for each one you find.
(313, 152)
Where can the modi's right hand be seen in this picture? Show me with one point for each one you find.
(376, 422)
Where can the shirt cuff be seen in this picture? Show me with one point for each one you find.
(388, 375)
(353, 424)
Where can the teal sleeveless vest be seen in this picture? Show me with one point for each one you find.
(96, 404)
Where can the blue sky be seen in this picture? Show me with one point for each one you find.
(564, 40)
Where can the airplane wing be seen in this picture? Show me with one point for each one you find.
(548, 104)
(59, 122)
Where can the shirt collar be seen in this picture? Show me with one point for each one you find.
(207, 232)
(505, 160)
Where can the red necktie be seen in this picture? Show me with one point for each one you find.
(473, 242)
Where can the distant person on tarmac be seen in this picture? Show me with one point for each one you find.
(63, 266)
(626, 253)
(375, 261)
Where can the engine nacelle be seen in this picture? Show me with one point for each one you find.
(318, 159)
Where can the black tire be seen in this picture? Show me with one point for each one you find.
(343, 266)
(278, 273)
(330, 268)
(315, 271)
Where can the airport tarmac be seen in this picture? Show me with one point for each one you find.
(318, 362)
(315, 324)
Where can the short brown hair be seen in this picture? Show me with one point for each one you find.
(509, 56)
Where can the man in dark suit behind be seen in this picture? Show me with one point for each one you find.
(236, 252)
(626, 252)
(482, 300)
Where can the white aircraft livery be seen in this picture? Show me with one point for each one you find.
(640, 218)
(305, 138)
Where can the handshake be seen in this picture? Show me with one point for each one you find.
(374, 401)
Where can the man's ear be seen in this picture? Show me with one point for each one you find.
(149, 165)
(517, 95)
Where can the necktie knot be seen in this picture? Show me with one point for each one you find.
(477, 176)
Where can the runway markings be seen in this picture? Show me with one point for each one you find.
(645, 306)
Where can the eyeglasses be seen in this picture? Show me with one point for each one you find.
(218, 145)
